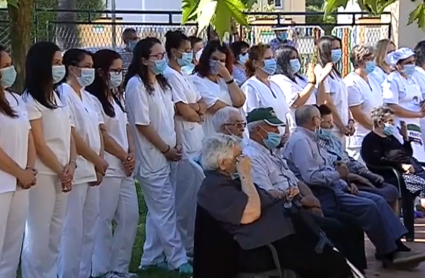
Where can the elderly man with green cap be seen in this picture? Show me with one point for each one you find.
(271, 173)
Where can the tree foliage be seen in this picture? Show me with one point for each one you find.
(377, 7)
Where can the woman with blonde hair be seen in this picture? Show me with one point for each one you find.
(383, 52)
(259, 89)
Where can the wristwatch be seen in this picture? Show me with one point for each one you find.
(75, 163)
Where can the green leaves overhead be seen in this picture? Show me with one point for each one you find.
(377, 7)
(418, 15)
(218, 13)
(13, 2)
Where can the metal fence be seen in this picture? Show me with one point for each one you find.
(100, 29)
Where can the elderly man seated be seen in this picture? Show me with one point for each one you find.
(359, 175)
(254, 218)
(271, 173)
(229, 120)
(308, 161)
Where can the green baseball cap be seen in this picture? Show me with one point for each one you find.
(266, 114)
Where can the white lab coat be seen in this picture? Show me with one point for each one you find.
(336, 88)
(211, 92)
(14, 134)
(47, 202)
(406, 93)
(82, 213)
(190, 133)
(291, 90)
(112, 252)
(368, 95)
(154, 172)
(419, 76)
(260, 95)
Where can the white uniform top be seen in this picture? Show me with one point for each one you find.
(14, 139)
(56, 125)
(157, 110)
(86, 120)
(336, 88)
(117, 129)
(379, 75)
(366, 94)
(419, 76)
(190, 133)
(211, 92)
(406, 93)
(291, 90)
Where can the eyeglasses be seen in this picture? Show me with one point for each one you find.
(115, 71)
(237, 125)
(158, 56)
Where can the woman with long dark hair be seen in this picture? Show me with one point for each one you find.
(51, 123)
(214, 81)
(329, 51)
(112, 250)
(151, 117)
(298, 89)
(82, 211)
(17, 174)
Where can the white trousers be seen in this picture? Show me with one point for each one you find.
(162, 237)
(118, 202)
(43, 230)
(13, 213)
(79, 232)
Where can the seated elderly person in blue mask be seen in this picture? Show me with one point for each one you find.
(308, 161)
(359, 175)
(271, 173)
(254, 218)
(228, 120)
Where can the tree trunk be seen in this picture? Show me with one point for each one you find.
(67, 33)
(20, 35)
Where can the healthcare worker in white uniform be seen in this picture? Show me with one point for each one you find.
(298, 89)
(82, 213)
(364, 94)
(191, 110)
(329, 51)
(402, 94)
(259, 89)
(215, 83)
(419, 76)
(383, 51)
(118, 196)
(50, 120)
(189, 104)
(151, 118)
(17, 172)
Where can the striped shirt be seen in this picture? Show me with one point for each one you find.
(268, 170)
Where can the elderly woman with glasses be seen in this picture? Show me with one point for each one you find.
(381, 147)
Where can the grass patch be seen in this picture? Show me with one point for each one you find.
(138, 248)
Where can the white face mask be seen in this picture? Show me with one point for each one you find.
(58, 73)
(115, 80)
(86, 78)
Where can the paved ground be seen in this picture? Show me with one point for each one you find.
(375, 269)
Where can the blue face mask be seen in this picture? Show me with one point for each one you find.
(409, 69)
(370, 67)
(295, 65)
(243, 58)
(188, 69)
(324, 133)
(273, 140)
(283, 36)
(58, 73)
(336, 55)
(131, 45)
(270, 66)
(86, 78)
(160, 66)
(8, 76)
(213, 66)
(115, 80)
(388, 129)
(186, 59)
